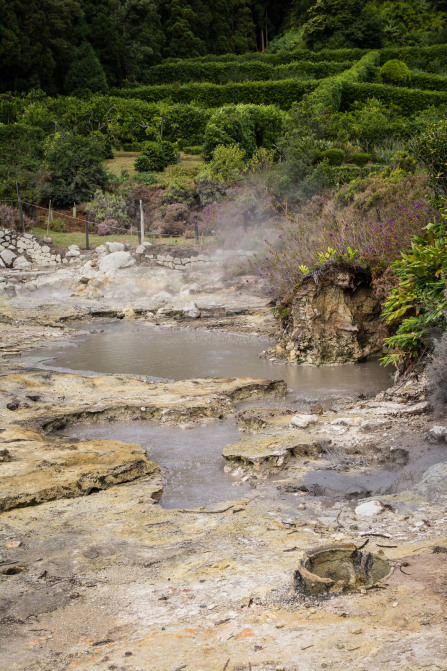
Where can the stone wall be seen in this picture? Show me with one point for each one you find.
(195, 260)
(22, 250)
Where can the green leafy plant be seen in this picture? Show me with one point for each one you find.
(419, 302)
(333, 156)
(360, 158)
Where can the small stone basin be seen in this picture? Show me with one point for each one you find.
(340, 567)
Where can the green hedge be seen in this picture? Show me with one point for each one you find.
(280, 58)
(428, 81)
(409, 101)
(282, 93)
(328, 94)
(339, 175)
(425, 58)
(184, 72)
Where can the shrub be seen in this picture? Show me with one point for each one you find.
(436, 372)
(395, 72)
(227, 164)
(145, 178)
(360, 158)
(419, 302)
(156, 156)
(431, 149)
(105, 228)
(179, 191)
(333, 156)
(145, 164)
(110, 209)
(10, 218)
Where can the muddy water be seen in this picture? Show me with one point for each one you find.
(163, 353)
(407, 470)
(191, 458)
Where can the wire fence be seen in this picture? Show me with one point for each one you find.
(91, 225)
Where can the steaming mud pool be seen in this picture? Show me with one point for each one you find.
(191, 456)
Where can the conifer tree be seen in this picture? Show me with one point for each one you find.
(86, 73)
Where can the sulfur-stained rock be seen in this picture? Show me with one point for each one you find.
(274, 449)
(334, 317)
(54, 468)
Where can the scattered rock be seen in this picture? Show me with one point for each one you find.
(438, 433)
(369, 509)
(8, 257)
(115, 260)
(115, 247)
(303, 421)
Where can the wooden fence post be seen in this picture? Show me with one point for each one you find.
(141, 223)
(87, 246)
(20, 207)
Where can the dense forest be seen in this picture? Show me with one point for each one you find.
(49, 43)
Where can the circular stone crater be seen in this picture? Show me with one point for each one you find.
(340, 567)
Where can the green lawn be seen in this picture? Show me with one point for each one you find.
(187, 168)
(78, 238)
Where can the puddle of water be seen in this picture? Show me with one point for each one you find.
(176, 354)
(374, 482)
(192, 458)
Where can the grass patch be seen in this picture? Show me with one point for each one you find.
(122, 160)
(78, 238)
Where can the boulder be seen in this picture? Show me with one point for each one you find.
(72, 253)
(438, 433)
(112, 262)
(113, 247)
(7, 257)
(303, 421)
(140, 250)
(369, 509)
(192, 311)
(21, 263)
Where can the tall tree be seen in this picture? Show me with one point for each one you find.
(181, 40)
(86, 73)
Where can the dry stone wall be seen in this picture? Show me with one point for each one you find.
(22, 250)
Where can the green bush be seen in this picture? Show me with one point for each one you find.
(360, 158)
(416, 57)
(145, 178)
(156, 156)
(179, 191)
(395, 72)
(430, 147)
(145, 163)
(226, 165)
(248, 126)
(419, 302)
(333, 156)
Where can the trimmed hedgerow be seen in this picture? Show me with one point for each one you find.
(361, 158)
(407, 100)
(280, 57)
(185, 71)
(282, 93)
(428, 81)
